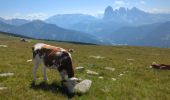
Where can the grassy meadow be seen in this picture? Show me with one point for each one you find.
(138, 82)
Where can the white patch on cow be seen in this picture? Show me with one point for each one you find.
(61, 49)
(70, 55)
(59, 53)
(38, 46)
(150, 66)
(37, 60)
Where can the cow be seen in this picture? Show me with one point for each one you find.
(55, 58)
(160, 66)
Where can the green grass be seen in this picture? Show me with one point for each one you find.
(140, 83)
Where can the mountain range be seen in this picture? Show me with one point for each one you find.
(41, 30)
(121, 26)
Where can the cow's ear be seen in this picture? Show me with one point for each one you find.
(75, 79)
(154, 63)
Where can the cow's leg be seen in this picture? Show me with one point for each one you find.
(36, 64)
(37, 61)
(62, 74)
(45, 74)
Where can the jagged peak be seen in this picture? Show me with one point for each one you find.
(109, 8)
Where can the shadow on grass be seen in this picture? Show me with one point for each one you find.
(54, 87)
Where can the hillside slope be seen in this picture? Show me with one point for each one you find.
(134, 80)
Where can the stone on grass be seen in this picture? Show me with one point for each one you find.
(109, 68)
(3, 88)
(3, 46)
(105, 89)
(6, 74)
(97, 57)
(113, 79)
(125, 72)
(79, 68)
(83, 86)
(92, 72)
(121, 74)
(130, 59)
(29, 60)
(101, 77)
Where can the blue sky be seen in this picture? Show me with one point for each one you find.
(42, 9)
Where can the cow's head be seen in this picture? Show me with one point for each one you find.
(71, 82)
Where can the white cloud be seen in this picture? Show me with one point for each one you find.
(157, 10)
(31, 16)
(37, 16)
(142, 2)
(120, 3)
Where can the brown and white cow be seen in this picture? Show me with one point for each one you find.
(56, 58)
(160, 66)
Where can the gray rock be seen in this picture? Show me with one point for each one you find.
(101, 77)
(97, 57)
(113, 79)
(83, 86)
(6, 74)
(30, 60)
(109, 68)
(92, 72)
(120, 74)
(3, 46)
(79, 68)
(3, 88)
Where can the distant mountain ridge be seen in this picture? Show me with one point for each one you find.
(41, 30)
(15, 22)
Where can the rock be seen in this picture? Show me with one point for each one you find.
(101, 77)
(71, 83)
(80, 68)
(105, 89)
(3, 46)
(29, 60)
(97, 57)
(83, 86)
(3, 88)
(92, 72)
(121, 74)
(125, 72)
(6, 74)
(130, 59)
(113, 79)
(109, 68)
